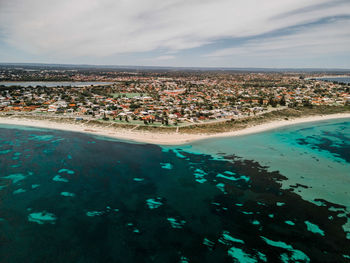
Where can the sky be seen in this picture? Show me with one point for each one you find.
(184, 33)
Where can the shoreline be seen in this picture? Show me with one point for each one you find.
(163, 138)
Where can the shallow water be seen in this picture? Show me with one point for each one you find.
(314, 157)
(71, 197)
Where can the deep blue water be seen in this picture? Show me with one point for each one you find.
(71, 197)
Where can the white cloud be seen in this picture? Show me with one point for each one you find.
(318, 39)
(97, 28)
(166, 57)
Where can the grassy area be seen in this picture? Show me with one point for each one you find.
(267, 117)
(140, 122)
(238, 124)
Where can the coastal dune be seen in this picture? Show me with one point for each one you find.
(162, 138)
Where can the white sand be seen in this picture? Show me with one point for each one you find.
(163, 138)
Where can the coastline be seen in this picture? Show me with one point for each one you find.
(163, 138)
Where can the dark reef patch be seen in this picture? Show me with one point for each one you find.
(335, 143)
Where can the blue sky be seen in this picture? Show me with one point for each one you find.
(221, 33)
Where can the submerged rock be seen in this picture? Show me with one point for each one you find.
(154, 203)
(66, 171)
(94, 213)
(15, 177)
(19, 191)
(59, 178)
(241, 256)
(296, 255)
(176, 223)
(168, 166)
(42, 218)
(227, 239)
(67, 194)
(314, 228)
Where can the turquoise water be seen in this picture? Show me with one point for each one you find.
(314, 157)
(278, 196)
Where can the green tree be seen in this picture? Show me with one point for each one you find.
(283, 101)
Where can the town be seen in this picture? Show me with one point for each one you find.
(163, 98)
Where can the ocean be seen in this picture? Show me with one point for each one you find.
(277, 196)
(345, 80)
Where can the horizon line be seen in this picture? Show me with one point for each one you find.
(172, 67)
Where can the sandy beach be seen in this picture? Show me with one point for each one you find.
(161, 137)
